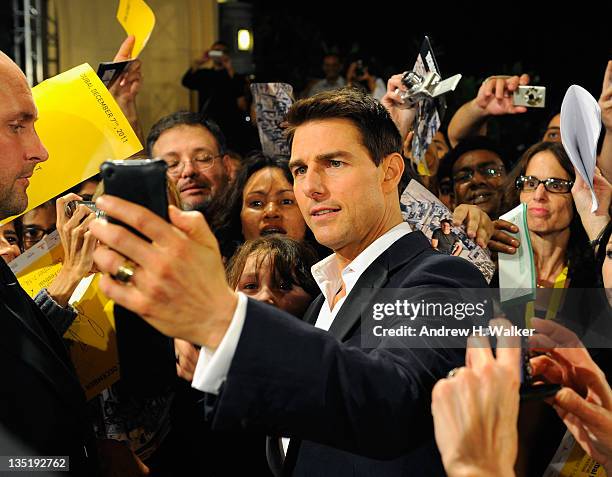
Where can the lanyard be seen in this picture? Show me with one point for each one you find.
(554, 303)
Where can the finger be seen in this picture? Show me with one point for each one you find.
(395, 82)
(500, 85)
(459, 214)
(502, 224)
(561, 335)
(576, 427)
(511, 85)
(123, 241)
(508, 350)
(140, 218)
(506, 238)
(486, 89)
(518, 110)
(547, 368)
(500, 247)
(471, 227)
(125, 50)
(541, 343)
(79, 231)
(524, 79)
(607, 81)
(126, 296)
(478, 352)
(194, 225)
(484, 232)
(589, 413)
(108, 261)
(60, 208)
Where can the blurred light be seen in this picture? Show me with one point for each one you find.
(245, 40)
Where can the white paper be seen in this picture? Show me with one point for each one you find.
(34, 253)
(517, 279)
(580, 128)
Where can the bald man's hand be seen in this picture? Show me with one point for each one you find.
(179, 284)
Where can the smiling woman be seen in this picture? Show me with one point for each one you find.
(260, 203)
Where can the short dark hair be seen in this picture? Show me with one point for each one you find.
(580, 256)
(474, 143)
(379, 135)
(290, 259)
(185, 118)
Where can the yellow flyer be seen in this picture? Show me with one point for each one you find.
(81, 126)
(91, 339)
(136, 18)
(571, 461)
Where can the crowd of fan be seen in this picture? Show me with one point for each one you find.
(268, 249)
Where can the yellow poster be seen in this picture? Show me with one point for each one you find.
(571, 461)
(92, 340)
(136, 18)
(81, 126)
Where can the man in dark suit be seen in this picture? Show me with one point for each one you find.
(41, 402)
(349, 409)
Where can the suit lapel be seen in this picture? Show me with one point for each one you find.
(373, 279)
(312, 313)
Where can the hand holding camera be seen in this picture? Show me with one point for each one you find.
(402, 117)
(78, 243)
(496, 95)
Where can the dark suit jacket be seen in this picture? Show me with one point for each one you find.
(356, 411)
(41, 401)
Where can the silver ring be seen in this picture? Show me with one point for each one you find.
(125, 272)
(453, 372)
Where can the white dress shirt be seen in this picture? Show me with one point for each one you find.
(212, 367)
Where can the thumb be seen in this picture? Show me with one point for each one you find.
(193, 224)
(125, 50)
(568, 400)
(459, 215)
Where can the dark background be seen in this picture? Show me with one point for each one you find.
(557, 43)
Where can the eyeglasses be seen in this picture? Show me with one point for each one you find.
(201, 161)
(33, 234)
(552, 184)
(486, 171)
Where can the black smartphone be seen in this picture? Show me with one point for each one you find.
(529, 391)
(146, 357)
(141, 181)
(109, 72)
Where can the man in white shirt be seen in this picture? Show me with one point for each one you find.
(347, 410)
(332, 67)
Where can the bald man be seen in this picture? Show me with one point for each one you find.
(42, 405)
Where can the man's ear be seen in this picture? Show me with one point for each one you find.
(393, 168)
(227, 165)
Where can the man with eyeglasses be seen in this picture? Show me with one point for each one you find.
(478, 173)
(195, 151)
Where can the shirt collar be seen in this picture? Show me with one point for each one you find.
(326, 272)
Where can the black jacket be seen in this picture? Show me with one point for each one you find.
(349, 411)
(41, 401)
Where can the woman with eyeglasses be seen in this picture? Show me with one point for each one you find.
(543, 179)
(568, 289)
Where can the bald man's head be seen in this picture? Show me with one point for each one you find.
(20, 147)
